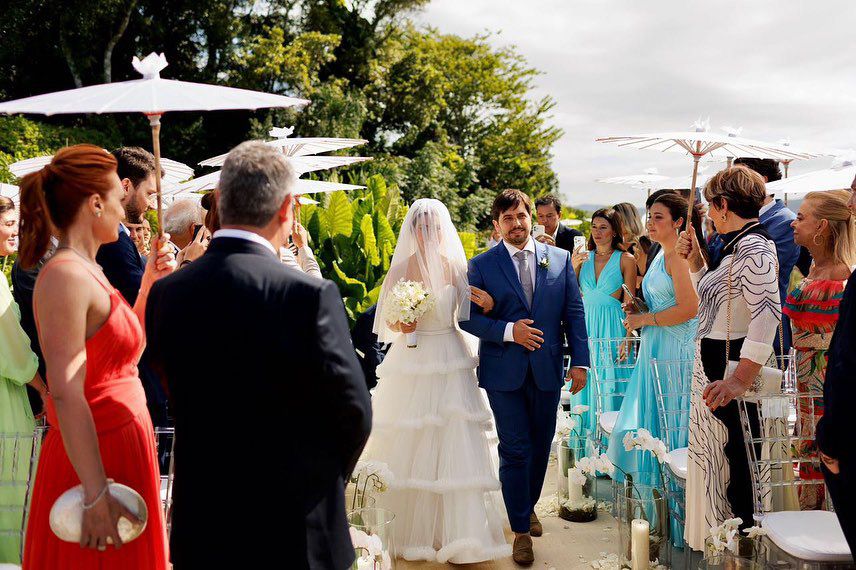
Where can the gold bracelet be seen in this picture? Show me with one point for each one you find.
(654, 316)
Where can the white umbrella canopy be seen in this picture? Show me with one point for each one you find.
(701, 142)
(174, 171)
(644, 180)
(304, 186)
(839, 177)
(10, 191)
(299, 146)
(150, 95)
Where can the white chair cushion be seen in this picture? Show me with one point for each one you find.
(678, 464)
(607, 421)
(808, 535)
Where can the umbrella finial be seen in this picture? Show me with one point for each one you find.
(281, 132)
(652, 170)
(702, 125)
(844, 160)
(733, 132)
(151, 66)
(785, 141)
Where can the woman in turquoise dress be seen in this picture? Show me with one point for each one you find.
(601, 272)
(668, 333)
(18, 366)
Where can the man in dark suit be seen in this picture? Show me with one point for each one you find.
(548, 212)
(835, 428)
(121, 260)
(270, 386)
(369, 350)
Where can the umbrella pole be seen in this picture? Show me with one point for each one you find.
(691, 205)
(730, 161)
(154, 121)
(787, 163)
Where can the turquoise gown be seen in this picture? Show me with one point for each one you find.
(639, 407)
(604, 315)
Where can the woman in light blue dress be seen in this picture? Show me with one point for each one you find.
(668, 333)
(601, 272)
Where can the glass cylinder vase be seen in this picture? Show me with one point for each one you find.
(720, 562)
(643, 524)
(373, 538)
(577, 500)
(744, 548)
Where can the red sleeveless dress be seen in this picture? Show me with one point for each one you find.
(126, 441)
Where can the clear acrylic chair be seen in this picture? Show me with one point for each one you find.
(165, 442)
(612, 362)
(673, 389)
(19, 454)
(779, 432)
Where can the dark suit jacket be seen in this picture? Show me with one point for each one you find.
(565, 238)
(835, 428)
(365, 340)
(122, 265)
(271, 410)
(777, 220)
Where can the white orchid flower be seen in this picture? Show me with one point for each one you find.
(755, 532)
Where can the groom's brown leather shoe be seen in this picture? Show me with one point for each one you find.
(521, 552)
(535, 527)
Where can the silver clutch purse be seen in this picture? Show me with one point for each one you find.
(66, 517)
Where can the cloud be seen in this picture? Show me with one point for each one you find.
(778, 69)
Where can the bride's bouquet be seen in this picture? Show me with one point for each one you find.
(408, 301)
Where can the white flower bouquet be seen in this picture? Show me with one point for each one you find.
(374, 474)
(407, 302)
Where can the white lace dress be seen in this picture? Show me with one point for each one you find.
(430, 422)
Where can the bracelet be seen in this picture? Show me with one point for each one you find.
(185, 262)
(654, 316)
(98, 497)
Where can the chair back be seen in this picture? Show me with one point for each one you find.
(19, 455)
(673, 381)
(612, 362)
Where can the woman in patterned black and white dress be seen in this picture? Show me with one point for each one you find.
(718, 478)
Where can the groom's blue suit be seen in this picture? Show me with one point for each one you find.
(524, 387)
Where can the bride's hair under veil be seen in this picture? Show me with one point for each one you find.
(428, 251)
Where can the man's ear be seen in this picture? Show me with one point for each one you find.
(126, 185)
(286, 208)
(496, 227)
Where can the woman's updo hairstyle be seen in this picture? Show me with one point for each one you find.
(52, 196)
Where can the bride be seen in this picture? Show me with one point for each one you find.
(429, 416)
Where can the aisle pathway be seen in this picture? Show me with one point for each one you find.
(564, 546)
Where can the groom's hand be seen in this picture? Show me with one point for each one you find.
(526, 336)
(578, 378)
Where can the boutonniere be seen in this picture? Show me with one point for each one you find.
(544, 263)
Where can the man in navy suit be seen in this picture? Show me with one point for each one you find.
(536, 302)
(777, 218)
(121, 261)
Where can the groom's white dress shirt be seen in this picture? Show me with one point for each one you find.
(529, 248)
(245, 235)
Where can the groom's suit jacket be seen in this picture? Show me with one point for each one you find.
(557, 310)
(271, 410)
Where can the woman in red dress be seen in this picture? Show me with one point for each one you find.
(92, 340)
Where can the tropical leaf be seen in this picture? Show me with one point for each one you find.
(317, 227)
(377, 186)
(306, 213)
(383, 230)
(368, 241)
(371, 297)
(339, 215)
(360, 207)
(392, 202)
(468, 239)
(348, 286)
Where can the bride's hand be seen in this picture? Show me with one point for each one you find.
(408, 328)
(481, 298)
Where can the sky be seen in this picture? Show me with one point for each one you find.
(776, 68)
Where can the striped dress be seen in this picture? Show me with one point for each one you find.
(813, 309)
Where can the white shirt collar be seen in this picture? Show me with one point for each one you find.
(530, 246)
(766, 207)
(555, 233)
(245, 235)
(125, 229)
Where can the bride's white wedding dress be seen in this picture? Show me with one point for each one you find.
(429, 427)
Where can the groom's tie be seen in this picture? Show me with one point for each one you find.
(525, 276)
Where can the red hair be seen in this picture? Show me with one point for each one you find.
(52, 196)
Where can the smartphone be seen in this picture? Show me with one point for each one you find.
(638, 304)
(537, 230)
(579, 243)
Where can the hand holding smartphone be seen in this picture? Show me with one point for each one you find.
(579, 243)
(638, 304)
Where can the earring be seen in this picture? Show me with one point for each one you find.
(724, 216)
(98, 214)
(814, 239)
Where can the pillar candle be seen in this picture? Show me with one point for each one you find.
(639, 530)
(575, 491)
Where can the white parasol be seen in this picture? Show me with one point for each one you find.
(701, 142)
(304, 186)
(174, 171)
(645, 180)
(838, 177)
(150, 95)
(299, 146)
(10, 191)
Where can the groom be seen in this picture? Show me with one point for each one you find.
(536, 300)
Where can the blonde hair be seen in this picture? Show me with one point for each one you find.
(741, 188)
(832, 206)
